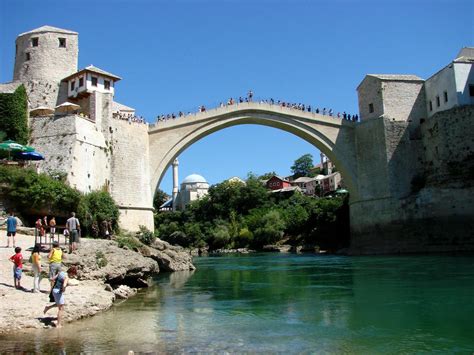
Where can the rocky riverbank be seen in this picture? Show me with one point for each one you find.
(106, 273)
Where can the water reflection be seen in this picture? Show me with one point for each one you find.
(284, 303)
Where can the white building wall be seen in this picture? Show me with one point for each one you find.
(100, 84)
(443, 81)
(464, 76)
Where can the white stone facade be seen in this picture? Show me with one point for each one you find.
(193, 188)
(451, 86)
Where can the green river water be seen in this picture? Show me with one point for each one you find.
(284, 303)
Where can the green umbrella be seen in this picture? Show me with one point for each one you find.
(12, 146)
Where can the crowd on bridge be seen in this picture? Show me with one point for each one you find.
(249, 98)
(130, 117)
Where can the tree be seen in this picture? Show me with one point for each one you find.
(302, 166)
(97, 207)
(14, 114)
(267, 176)
(160, 198)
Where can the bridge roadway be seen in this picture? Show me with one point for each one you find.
(335, 137)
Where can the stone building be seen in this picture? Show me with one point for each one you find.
(95, 150)
(43, 57)
(453, 85)
(397, 97)
(193, 187)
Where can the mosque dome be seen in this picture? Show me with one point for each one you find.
(194, 178)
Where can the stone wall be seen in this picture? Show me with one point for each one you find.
(429, 201)
(448, 146)
(370, 92)
(130, 174)
(73, 145)
(404, 100)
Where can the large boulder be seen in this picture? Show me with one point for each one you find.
(104, 260)
(169, 257)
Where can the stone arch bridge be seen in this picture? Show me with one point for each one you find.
(333, 136)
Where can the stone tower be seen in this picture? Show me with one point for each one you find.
(43, 57)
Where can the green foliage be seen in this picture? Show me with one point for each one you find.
(100, 259)
(145, 236)
(97, 206)
(31, 192)
(237, 215)
(302, 166)
(269, 228)
(267, 176)
(14, 115)
(128, 241)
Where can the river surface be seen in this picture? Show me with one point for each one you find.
(284, 303)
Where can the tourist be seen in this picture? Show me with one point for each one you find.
(60, 284)
(52, 227)
(45, 224)
(11, 229)
(73, 226)
(317, 110)
(39, 227)
(55, 258)
(36, 262)
(17, 260)
(250, 96)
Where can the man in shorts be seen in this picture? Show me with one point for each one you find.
(11, 229)
(73, 226)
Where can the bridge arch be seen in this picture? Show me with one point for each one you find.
(333, 136)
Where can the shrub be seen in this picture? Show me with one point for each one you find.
(33, 193)
(100, 259)
(14, 114)
(128, 241)
(97, 206)
(145, 236)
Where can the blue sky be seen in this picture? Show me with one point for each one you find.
(177, 55)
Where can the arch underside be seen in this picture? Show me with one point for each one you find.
(335, 141)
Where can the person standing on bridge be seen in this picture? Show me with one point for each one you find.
(250, 95)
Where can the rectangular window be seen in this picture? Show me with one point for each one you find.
(34, 42)
(81, 82)
(28, 56)
(62, 42)
(471, 90)
(73, 84)
(445, 96)
(94, 81)
(371, 108)
(438, 103)
(431, 105)
(106, 84)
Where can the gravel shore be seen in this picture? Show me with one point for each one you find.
(20, 309)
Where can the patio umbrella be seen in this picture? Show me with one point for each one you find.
(29, 156)
(12, 146)
(41, 111)
(67, 107)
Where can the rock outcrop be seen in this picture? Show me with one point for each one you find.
(103, 260)
(169, 257)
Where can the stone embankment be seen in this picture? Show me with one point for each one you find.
(106, 273)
